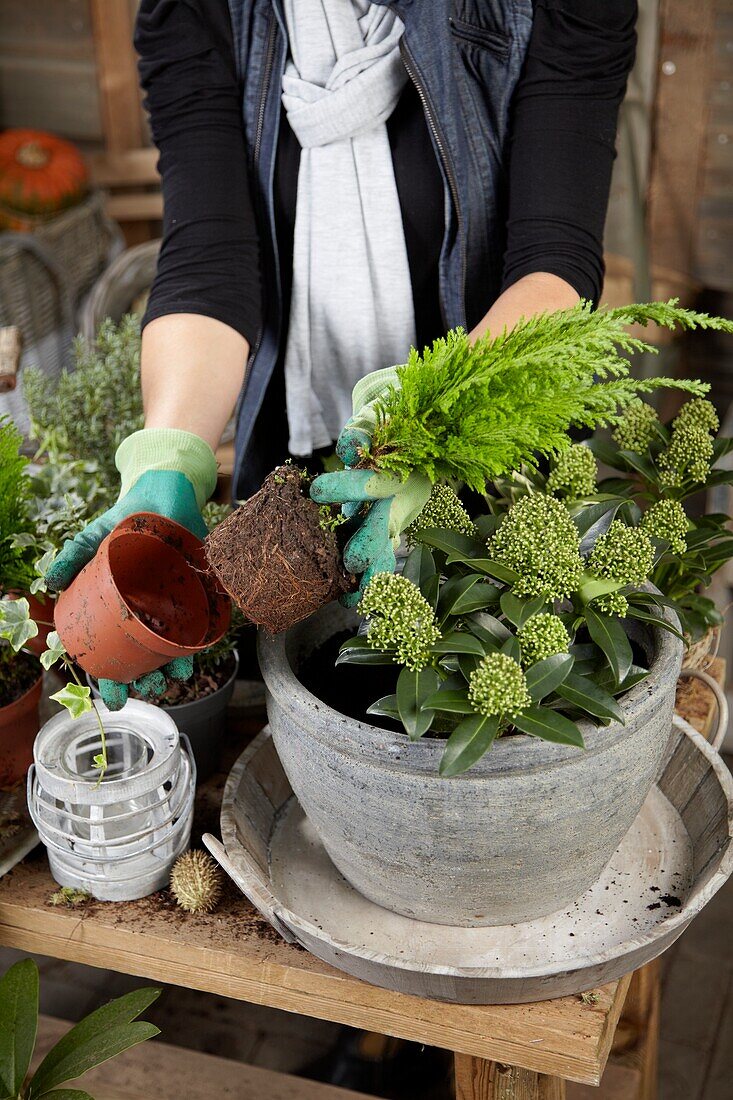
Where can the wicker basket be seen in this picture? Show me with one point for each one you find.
(703, 652)
(82, 241)
(114, 294)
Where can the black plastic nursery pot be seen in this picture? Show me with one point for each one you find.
(203, 721)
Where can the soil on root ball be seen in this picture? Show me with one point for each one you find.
(274, 556)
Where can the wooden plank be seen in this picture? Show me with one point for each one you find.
(131, 168)
(117, 75)
(135, 207)
(49, 94)
(618, 1083)
(675, 183)
(477, 1079)
(234, 953)
(167, 1072)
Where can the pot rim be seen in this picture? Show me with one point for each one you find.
(37, 685)
(506, 754)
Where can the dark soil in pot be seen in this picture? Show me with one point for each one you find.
(17, 676)
(274, 555)
(200, 686)
(349, 689)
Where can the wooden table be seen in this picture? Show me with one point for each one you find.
(502, 1052)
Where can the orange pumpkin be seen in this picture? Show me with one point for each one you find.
(40, 174)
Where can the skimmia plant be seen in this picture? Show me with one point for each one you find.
(516, 627)
(659, 468)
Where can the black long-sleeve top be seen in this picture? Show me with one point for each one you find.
(563, 128)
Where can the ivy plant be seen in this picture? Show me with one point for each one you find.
(102, 1035)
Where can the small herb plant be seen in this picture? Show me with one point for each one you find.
(102, 1035)
(515, 627)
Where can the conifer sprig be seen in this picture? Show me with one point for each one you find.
(474, 412)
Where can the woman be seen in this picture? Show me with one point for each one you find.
(341, 180)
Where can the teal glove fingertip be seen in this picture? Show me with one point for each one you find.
(114, 695)
(151, 684)
(180, 668)
(371, 542)
(352, 444)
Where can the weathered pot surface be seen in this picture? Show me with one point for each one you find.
(522, 834)
(18, 728)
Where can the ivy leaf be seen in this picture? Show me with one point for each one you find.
(413, 689)
(469, 741)
(545, 676)
(42, 567)
(608, 633)
(549, 726)
(75, 698)
(16, 625)
(55, 650)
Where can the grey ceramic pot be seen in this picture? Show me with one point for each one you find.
(203, 721)
(520, 835)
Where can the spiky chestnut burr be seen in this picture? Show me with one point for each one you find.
(196, 882)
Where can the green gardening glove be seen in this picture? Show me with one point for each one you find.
(386, 504)
(163, 470)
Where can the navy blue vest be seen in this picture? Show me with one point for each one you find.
(464, 57)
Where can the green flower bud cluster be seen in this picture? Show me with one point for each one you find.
(688, 457)
(542, 636)
(400, 618)
(624, 555)
(697, 413)
(667, 520)
(540, 542)
(498, 688)
(443, 510)
(637, 428)
(574, 474)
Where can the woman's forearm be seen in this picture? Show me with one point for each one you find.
(192, 370)
(539, 292)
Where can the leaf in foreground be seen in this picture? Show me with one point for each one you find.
(468, 743)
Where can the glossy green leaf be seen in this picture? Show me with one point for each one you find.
(468, 663)
(357, 651)
(654, 620)
(486, 525)
(549, 726)
(511, 648)
(607, 453)
(517, 609)
(586, 515)
(641, 464)
(18, 1023)
(458, 641)
(386, 707)
(460, 595)
(413, 688)
(452, 542)
(491, 568)
(450, 700)
(584, 693)
(101, 1035)
(488, 629)
(545, 676)
(608, 633)
(469, 741)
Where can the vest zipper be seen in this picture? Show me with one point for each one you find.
(430, 116)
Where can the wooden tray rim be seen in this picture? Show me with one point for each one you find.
(259, 892)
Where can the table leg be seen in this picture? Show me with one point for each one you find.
(479, 1079)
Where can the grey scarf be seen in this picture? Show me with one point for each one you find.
(351, 310)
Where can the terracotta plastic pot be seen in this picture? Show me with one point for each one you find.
(146, 597)
(19, 723)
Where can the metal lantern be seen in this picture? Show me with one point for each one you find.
(116, 839)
